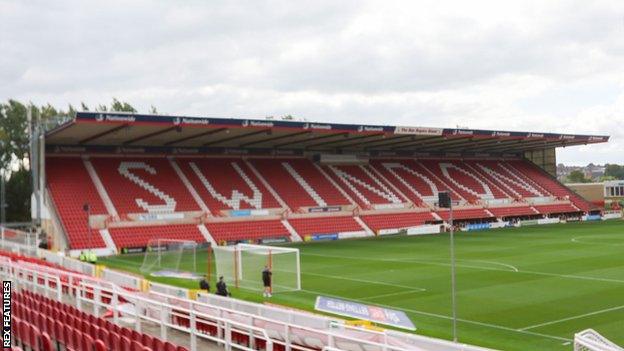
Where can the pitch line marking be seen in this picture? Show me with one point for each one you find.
(391, 294)
(415, 288)
(429, 262)
(573, 317)
(431, 314)
(581, 240)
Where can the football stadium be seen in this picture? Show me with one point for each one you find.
(206, 233)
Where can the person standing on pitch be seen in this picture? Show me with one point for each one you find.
(204, 284)
(222, 288)
(266, 280)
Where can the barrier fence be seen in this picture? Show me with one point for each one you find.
(198, 313)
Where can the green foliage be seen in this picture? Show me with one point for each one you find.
(577, 177)
(18, 190)
(615, 171)
(605, 178)
(119, 106)
(13, 132)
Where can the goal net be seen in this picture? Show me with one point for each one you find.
(591, 340)
(241, 265)
(170, 258)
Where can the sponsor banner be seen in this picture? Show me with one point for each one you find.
(418, 131)
(131, 250)
(325, 209)
(211, 122)
(424, 229)
(159, 216)
(388, 231)
(528, 222)
(593, 217)
(361, 311)
(500, 224)
(319, 237)
(477, 226)
(387, 206)
(612, 215)
(349, 235)
(274, 240)
(240, 213)
(548, 221)
(245, 213)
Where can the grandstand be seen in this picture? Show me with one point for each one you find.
(224, 180)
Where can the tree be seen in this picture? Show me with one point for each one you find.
(18, 190)
(119, 106)
(13, 133)
(577, 177)
(615, 171)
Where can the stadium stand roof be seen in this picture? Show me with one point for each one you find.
(105, 130)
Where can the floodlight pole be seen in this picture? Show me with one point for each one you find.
(453, 299)
(2, 199)
(87, 208)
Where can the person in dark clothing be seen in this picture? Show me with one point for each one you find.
(204, 284)
(266, 281)
(222, 288)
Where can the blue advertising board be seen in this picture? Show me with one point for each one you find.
(478, 226)
(361, 311)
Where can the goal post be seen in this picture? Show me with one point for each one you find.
(591, 340)
(170, 257)
(241, 265)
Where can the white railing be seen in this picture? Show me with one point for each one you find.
(165, 314)
(34, 280)
(67, 262)
(18, 241)
(162, 304)
(122, 279)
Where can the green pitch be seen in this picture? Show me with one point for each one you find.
(526, 288)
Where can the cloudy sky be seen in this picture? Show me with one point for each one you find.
(536, 66)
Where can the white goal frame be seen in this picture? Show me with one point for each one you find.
(237, 260)
(591, 340)
(164, 242)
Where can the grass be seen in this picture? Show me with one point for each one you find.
(526, 288)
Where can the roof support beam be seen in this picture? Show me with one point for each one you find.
(263, 131)
(275, 138)
(342, 141)
(533, 146)
(210, 132)
(427, 146)
(412, 139)
(521, 144)
(328, 136)
(365, 142)
(99, 135)
(149, 135)
(482, 143)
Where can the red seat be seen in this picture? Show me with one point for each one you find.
(99, 345)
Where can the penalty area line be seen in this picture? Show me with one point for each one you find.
(573, 317)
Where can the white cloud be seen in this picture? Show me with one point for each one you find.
(541, 66)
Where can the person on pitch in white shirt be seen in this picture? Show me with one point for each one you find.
(266, 280)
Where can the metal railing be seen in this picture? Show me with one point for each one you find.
(165, 314)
